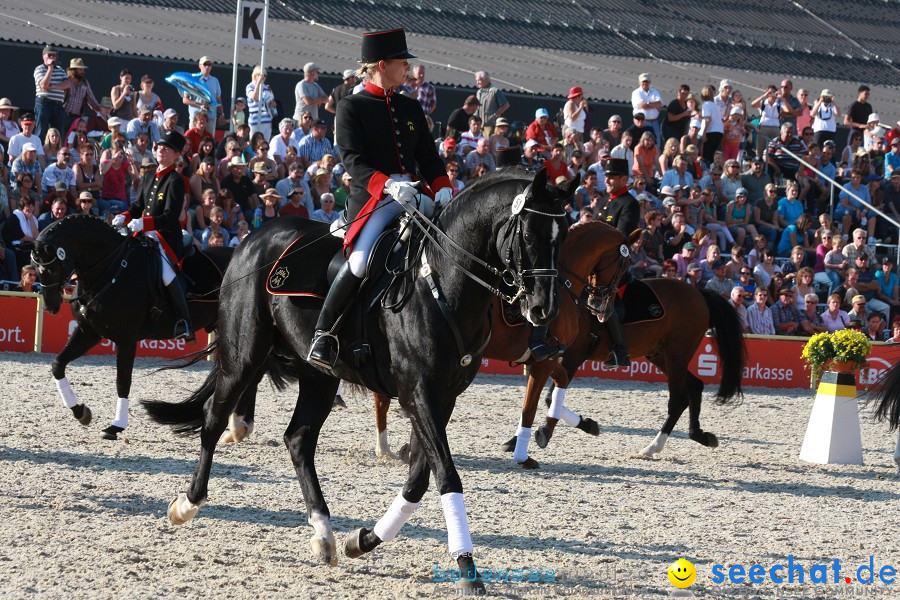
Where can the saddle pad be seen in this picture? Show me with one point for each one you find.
(641, 303)
(301, 268)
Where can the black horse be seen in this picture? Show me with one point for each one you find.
(504, 228)
(117, 297)
(887, 394)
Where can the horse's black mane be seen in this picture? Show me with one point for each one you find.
(498, 176)
(70, 218)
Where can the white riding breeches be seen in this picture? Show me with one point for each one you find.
(168, 273)
(387, 210)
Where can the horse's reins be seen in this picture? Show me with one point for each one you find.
(35, 258)
(603, 292)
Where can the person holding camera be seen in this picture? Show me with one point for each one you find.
(124, 98)
(116, 169)
(825, 113)
(49, 96)
(769, 121)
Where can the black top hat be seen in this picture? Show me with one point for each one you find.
(509, 157)
(617, 166)
(173, 140)
(384, 45)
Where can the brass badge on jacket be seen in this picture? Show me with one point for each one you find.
(159, 196)
(411, 126)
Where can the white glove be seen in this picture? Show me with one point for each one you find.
(118, 220)
(443, 196)
(403, 191)
(136, 225)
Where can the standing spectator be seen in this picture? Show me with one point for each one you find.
(8, 125)
(49, 79)
(857, 114)
(624, 151)
(785, 316)
(79, 92)
(260, 102)
(313, 147)
(769, 118)
(780, 162)
(723, 98)
(576, 112)
(733, 133)
(824, 114)
(678, 115)
(458, 122)
(338, 93)
(115, 169)
(648, 101)
(196, 105)
(712, 128)
(804, 119)
(492, 101)
(147, 97)
(308, 94)
(123, 98)
(789, 107)
(425, 92)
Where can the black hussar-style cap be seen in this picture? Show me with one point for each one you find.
(384, 45)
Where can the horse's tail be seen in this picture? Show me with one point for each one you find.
(186, 417)
(887, 392)
(730, 340)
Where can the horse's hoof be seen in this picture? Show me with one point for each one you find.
(404, 454)
(510, 445)
(464, 587)
(542, 436)
(530, 463)
(325, 551)
(339, 402)
(589, 426)
(647, 452)
(353, 545)
(82, 414)
(711, 441)
(112, 432)
(182, 510)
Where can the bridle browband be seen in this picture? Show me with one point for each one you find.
(603, 292)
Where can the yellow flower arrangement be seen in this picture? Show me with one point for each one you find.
(844, 346)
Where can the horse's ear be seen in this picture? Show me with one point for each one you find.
(569, 189)
(540, 179)
(634, 236)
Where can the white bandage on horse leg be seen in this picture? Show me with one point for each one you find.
(340, 387)
(458, 539)
(121, 419)
(66, 393)
(523, 436)
(558, 409)
(657, 445)
(396, 517)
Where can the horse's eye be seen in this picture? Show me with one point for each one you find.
(528, 237)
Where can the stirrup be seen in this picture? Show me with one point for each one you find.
(184, 332)
(617, 359)
(324, 350)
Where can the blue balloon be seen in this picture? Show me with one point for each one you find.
(192, 85)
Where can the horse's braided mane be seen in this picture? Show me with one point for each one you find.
(69, 218)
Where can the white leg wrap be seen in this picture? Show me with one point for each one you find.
(657, 445)
(396, 517)
(523, 436)
(382, 446)
(559, 411)
(322, 526)
(458, 539)
(185, 509)
(121, 419)
(340, 387)
(66, 393)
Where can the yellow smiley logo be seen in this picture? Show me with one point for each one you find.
(682, 573)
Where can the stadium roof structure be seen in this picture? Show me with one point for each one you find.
(529, 46)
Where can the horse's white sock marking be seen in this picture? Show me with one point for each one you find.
(322, 526)
(558, 409)
(656, 446)
(458, 539)
(523, 436)
(121, 419)
(66, 393)
(396, 517)
(383, 447)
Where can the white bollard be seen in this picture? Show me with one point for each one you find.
(832, 435)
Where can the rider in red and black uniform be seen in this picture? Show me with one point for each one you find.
(622, 211)
(386, 146)
(155, 211)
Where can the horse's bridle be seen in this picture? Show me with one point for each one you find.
(604, 292)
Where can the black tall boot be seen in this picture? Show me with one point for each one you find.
(323, 351)
(183, 329)
(619, 352)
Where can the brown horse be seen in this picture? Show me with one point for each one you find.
(668, 342)
(593, 258)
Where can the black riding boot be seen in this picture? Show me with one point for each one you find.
(323, 352)
(539, 347)
(183, 329)
(619, 352)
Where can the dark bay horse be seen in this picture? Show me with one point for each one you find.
(669, 343)
(115, 298)
(591, 262)
(506, 227)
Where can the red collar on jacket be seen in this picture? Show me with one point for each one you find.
(160, 173)
(378, 91)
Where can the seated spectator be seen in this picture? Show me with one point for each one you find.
(693, 275)
(736, 297)
(875, 327)
(790, 207)
(860, 310)
(830, 263)
(556, 165)
(144, 123)
(641, 265)
(737, 218)
(851, 211)
(296, 205)
(858, 246)
(278, 144)
(314, 146)
(767, 218)
(797, 261)
(678, 175)
(206, 149)
(269, 166)
(887, 290)
(646, 156)
(203, 211)
(57, 211)
(720, 283)
(736, 263)
(499, 140)
(814, 323)
(327, 213)
(319, 185)
(755, 255)
(216, 239)
(481, 156)
(796, 235)
(243, 230)
(468, 141)
(712, 254)
(755, 181)
(895, 331)
(868, 286)
(780, 162)
(709, 218)
(623, 150)
(778, 282)
(612, 136)
(27, 280)
(116, 170)
(59, 171)
(803, 283)
(541, 130)
(687, 256)
(835, 317)
(759, 317)
(670, 269)
(676, 236)
(268, 210)
(215, 227)
(745, 280)
(785, 316)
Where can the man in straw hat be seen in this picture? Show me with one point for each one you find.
(155, 211)
(79, 92)
(384, 141)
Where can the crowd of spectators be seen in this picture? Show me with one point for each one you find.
(725, 202)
